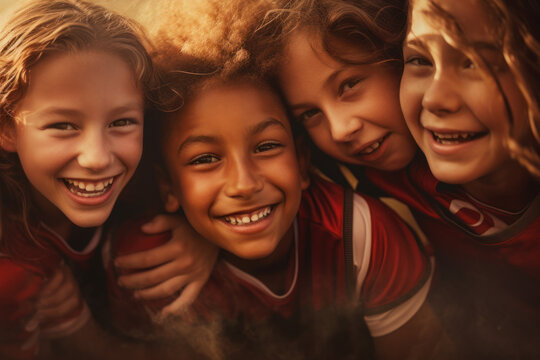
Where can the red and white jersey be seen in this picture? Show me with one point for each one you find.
(392, 271)
(458, 225)
(24, 268)
(487, 286)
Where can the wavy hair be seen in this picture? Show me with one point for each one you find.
(45, 27)
(517, 36)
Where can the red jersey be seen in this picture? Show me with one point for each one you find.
(488, 262)
(24, 268)
(391, 270)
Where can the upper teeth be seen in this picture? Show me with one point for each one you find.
(448, 138)
(248, 218)
(90, 186)
(371, 148)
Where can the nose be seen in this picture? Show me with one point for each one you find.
(343, 123)
(243, 178)
(441, 97)
(95, 151)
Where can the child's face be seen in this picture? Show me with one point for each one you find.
(233, 168)
(455, 112)
(78, 134)
(351, 112)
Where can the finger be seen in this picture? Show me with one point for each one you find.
(67, 307)
(162, 223)
(164, 289)
(186, 298)
(52, 285)
(153, 277)
(64, 292)
(150, 258)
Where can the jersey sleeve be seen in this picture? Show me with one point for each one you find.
(19, 287)
(393, 269)
(128, 313)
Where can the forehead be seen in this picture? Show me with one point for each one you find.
(222, 107)
(471, 16)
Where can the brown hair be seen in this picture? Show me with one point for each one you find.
(46, 27)
(376, 28)
(517, 34)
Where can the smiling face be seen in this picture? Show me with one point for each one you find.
(351, 112)
(233, 168)
(454, 110)
(78, 135)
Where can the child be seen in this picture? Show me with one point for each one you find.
(469, 251)
(73, 79)
(229, 161)
(469, 97)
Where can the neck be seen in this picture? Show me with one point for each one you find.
(512, 188)
(272, 269)
(51, 216)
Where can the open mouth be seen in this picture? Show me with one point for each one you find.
(456, 138)
(87, 188)
(374, 146)
(249, 218)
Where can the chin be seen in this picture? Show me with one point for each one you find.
(88, 220)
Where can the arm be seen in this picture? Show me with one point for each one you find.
(395, 275)
(184, 264)
(420, 338)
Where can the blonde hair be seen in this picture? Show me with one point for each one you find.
(47, 27)
(517, 34)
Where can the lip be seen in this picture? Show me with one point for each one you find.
(451, 148)
(91, 201)
(376, 153)
(252, 227)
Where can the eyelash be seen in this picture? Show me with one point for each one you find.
(123, 122)
(65, 126)
(203, 159)
(348, 82)
(306, 115)
(267, 146)
(418, 61)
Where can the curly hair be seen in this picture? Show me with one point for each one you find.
(200, 40)
(46, 27)
(517, 36)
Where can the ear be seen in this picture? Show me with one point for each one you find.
(168, 197)
(304, 160)
(8, 138)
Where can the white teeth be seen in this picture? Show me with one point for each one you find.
(245, 219)
(88, 189)
(452, 138)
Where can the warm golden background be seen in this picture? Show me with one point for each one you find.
(132, 8)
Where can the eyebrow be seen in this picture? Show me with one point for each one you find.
(207, 139)
(67, 112)
(327, 82)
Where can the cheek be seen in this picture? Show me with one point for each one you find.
(129, 149)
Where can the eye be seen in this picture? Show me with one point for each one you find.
(122, 122)
(267, 146)
(306, 115)
(417, 61)
(204, 159)
(469, 64)
(62, 126)
(348, 85)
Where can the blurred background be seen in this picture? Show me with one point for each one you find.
(127, 7)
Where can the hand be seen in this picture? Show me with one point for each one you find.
(184, 262)
(58, 299)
